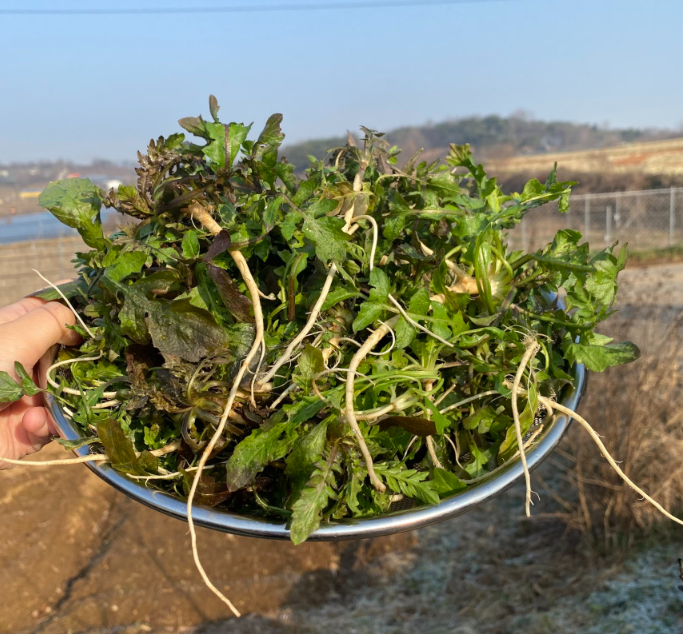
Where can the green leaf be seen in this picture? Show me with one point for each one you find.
(28, 387)
(76, 202)
(78, 442)
(409, 482)
(270, 215)
(310, 364)
(405, 333)
(308, 508)
(419, 305)
(381, 286)
(215, 149)
(597, 358)
(442, 423)
(369, 311)
(126, 264)
(194, 125)
(118, 447)
(76, 288)
(180, 329)
(10, 391)
(327, 236)
(509, 445)
(190, 245)
(303, 410)
(336, 296)
(307, 451)
(237, 134)
(269, 140)
(253, 453)
(446, 483)
(213, 107)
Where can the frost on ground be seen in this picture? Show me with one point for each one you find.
(491, 571)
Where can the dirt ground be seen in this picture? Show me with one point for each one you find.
(77, 556)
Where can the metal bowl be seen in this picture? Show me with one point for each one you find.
(392, 522)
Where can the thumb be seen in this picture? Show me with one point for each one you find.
(28, 338)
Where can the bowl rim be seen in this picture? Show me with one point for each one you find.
(386, 524)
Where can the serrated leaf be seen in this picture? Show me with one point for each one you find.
(308, 508)
(381, 286)
(76, 202)
(597, 358)
(237, 134)
(369, 311)
(126, 264)
(10, 391)
(78, 442)
(28, 387)
(307, 451)
(253, 453)
(327, 236)
(409, 482)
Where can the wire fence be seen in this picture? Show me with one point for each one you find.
(647, 220)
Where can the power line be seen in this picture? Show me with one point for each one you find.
(262, 8)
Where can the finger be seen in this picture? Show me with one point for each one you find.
(26, 339)
(39, 426)
(19, 309)
(25, 432)
(25, 305)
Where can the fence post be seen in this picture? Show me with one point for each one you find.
(586, 216)
(608, 225)
(672, 215)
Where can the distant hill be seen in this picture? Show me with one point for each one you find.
(491, 137)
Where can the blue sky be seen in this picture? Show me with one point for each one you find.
(79, 87)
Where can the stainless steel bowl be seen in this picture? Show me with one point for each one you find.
(386, 524)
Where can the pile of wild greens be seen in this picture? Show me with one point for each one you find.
(388, 319)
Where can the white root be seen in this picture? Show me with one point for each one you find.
(305, 330)
(68, 303)
(530, 352)
(432, 453)
(282, 396)
(468, 400)
(400, 403)
(413, 323)
(349, 411)
(96, 457)
(392, 299)
(201, 214)
(603, 450)
(68, 390)
(439, 400)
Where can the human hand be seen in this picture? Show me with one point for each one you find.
(28, 329)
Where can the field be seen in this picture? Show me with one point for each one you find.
(77, 556)
(655, 157)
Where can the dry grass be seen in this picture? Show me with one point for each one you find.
(638, 411)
